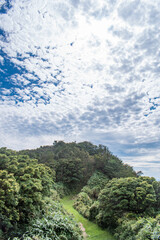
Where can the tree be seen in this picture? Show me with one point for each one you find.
(133, 195)
(23, 185)
(9, 197)
(69, 171)
(141, 229)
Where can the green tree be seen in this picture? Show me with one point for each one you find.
(141, 229)
(23, 185)
(70, 172)
(83, 203)
(134, 195)
(9, 197)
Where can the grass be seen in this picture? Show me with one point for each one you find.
(93, 231)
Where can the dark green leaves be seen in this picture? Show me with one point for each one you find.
(123, 195)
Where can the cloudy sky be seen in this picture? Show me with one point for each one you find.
(78, 70)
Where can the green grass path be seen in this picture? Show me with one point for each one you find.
(93, 231)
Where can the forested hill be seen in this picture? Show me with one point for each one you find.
(74, 163)
(108, 192)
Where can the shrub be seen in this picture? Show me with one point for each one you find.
(141, 229)
(61, 189)
(82, 204)
(54, 224)
(120, 196)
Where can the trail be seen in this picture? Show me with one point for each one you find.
(89, 229)
(83, 231)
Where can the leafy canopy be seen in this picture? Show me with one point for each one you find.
(134, 195)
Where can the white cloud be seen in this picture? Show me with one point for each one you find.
(87, 71)
(2, 2)
(1, 60)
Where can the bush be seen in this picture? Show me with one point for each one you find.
(94, 210)
(120, 196)
(141, 229)
(61, 189)
(95, 184)
(54, 224)
(23, 185)
(86, 202)
(82, 204)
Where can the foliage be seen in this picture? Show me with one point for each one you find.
(54, 224)
(141, 229)
(62, 189)
(92, 149)
(69, 171)
(9, 194)
(94, 210)
(28, 176)
(82, 204)
(156, 186)
(23, 185)
(112, 166)
(74, 163)
(96, 183)
(134, 195)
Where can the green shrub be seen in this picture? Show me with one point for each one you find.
(94, 210)
(83, 203)
(62, 189)
(23, 185)
(120, 196)
(54, 224)
(86, 201)
(141, 229)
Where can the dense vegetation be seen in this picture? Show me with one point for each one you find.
(109, 193)
(128, 206)
(74, 163)
(27, 193)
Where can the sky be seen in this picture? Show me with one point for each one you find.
(77, 70)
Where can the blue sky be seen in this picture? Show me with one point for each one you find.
(77, 70)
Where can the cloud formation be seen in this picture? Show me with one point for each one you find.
(82, 70)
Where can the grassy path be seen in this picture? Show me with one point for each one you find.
(93, 231)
